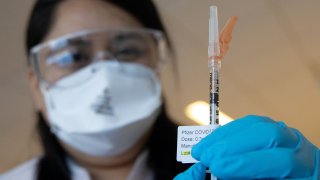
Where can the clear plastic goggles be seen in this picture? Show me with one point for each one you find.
(66, 55)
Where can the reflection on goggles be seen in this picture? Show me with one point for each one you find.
(63, 56)
(62, 59)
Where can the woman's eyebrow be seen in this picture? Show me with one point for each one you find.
(69, 43)
(82, 42)
(129, 36)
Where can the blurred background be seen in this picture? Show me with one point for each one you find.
(272, 68)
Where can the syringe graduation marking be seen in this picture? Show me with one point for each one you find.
(214, 96)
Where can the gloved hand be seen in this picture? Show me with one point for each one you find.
(255, 147)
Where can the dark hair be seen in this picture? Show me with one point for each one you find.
(53, 165)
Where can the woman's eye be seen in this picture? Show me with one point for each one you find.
(129, 53)
(68, 59)
(79, 57)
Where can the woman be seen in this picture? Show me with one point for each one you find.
(101, 20)
(100, 113)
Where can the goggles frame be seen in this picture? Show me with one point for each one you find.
(34, 60)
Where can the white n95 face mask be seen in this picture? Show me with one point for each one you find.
(107, 113)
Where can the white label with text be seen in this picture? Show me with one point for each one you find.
(188, 136)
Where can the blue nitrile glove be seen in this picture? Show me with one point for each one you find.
(256, 147)
(196, 171)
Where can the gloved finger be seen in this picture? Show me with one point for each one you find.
(231, 129)
(257, 137)
(277, 163)
(195, 172)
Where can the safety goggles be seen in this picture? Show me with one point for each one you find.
(61, 57)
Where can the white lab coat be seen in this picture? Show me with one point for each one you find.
(27, 171)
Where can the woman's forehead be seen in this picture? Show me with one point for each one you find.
(76, 15)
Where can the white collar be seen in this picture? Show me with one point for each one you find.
(140, 170)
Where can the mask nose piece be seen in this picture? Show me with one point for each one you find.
(104, 55)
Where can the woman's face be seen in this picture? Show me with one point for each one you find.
(76, 15)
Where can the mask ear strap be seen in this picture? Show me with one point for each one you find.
(47, 97)
(53, 128)
(46, 93)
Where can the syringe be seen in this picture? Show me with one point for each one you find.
(214, 59)
(214, 65)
